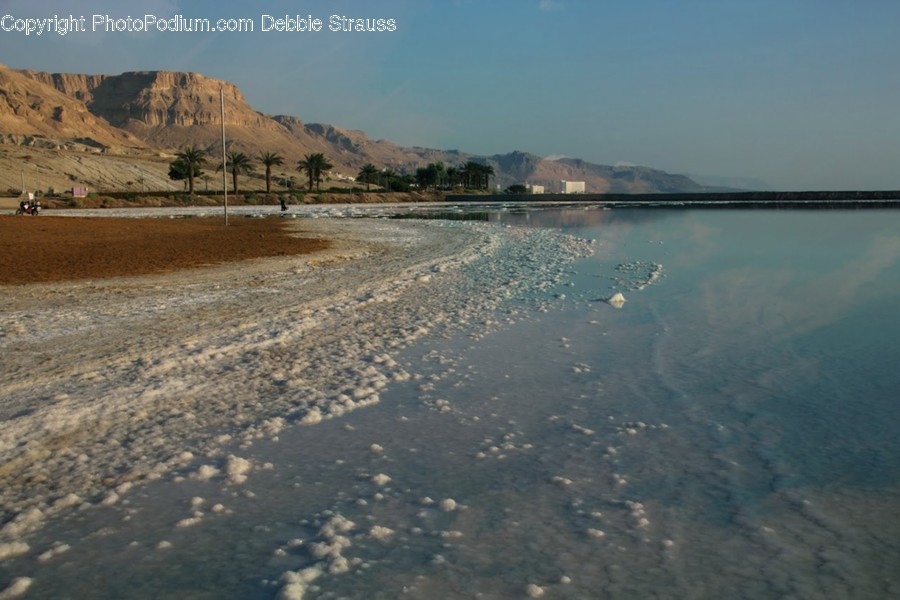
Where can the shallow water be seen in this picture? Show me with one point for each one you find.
(731, 431)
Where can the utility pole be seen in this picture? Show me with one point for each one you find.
(224, 170)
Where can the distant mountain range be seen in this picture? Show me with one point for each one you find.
(135, 121)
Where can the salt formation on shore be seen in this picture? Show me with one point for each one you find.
(617, 300)
(637, 275)
(18, 587)
(230, 355)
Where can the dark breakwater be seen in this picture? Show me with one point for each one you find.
(769, 200)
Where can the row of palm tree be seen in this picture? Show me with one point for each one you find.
(435, 175)
(188, 162)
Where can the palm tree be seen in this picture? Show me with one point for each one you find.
(179, 170)
(476, 174)
(486, 172)
(367, 174)
(440, 174)
(236, 162)
(453, 176)
(314, 165)
(308, 165)
(193, 158)
(389, 176)
(269, 160)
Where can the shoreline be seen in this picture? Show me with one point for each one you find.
(113, 382)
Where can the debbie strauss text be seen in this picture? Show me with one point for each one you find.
(300, 23)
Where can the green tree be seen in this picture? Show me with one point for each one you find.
(426, 177)
(179, 171)
(269, 160)
(486, 172)
(368, 175)
(476, 175)
(453, 176)
(315, 166)
(517, 188)
(236, 162)
(440, 174)
(389, 177)
(193, 158)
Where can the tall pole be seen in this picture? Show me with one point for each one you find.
(224, 161)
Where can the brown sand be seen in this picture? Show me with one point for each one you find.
(47, 249)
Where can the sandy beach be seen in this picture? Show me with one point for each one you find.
(53, 249)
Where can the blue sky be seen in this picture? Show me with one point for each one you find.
(803, 94)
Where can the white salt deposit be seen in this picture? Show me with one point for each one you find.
(10, 549)
(189, 522)
(381, 533)
(18, 587)
(57, 549)
(617, 300)
(236, 469)
(381, 479)
(206, 472)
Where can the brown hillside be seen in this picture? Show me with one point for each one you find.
(147, 116)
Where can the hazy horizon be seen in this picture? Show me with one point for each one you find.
(799, 95)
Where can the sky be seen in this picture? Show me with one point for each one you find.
(798, 94)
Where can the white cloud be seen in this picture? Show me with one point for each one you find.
(550, 5)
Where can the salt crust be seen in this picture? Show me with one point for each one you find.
(617, 300)
(299, 331)
(328, 550)
(11, 549)
(18, 587)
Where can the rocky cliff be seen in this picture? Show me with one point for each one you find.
(166, 110)
(155, 98)
(35, 113)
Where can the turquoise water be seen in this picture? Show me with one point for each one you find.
(730, 432)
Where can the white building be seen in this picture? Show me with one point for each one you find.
(571, 187)
(535, 189)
